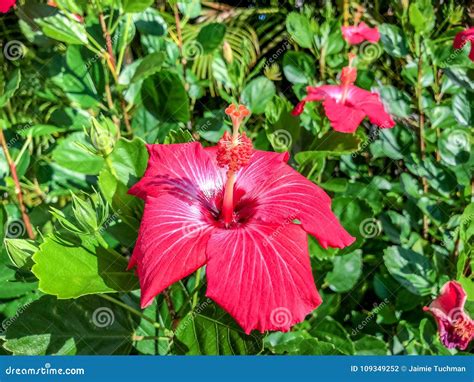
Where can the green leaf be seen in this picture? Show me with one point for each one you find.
(73, 157)
(40, 131)
(135, 6)
(10, 88)
(80, 75)
(298, 67)
(346, 271)
(411, 269)
(149, 65)
(299, 28)
(62, 28)
(20, 252)
(210, 37)
(164, 96)
(13, 283)
(68, 270)
(257, 94)
(462, 108)
(393, 40)
(332, 332)
(213, 332)
(129, 160)
(370, 345)
(421, 16)
(455, 146)
(89, 325)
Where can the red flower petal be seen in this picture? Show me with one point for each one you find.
(185, 166)
(283, 194)
(371, 104)
(262, 275)
(5, 5)
(355, 34)
(344, 118)
(463, 37)
(452, 297)
(171, 244)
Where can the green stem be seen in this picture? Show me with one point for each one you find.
(124, 44)
(196, 285)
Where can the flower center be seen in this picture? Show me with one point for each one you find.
(348, 77)
(464, 329)
(234, 152)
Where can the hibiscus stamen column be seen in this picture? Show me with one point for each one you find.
(348, 76)
(233, 152)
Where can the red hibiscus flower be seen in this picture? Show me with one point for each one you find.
(5, 5)
(462, 38)
(347, 105)
(456, 328)
(355, 34)
(232, 208)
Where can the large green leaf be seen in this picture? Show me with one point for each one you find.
(346, 271)
(164, 96)
(80, 75)
(213, 332)
(298, 67)
(58, 26)
(393, 40)
(70, 155)
(69, 270)
(411, 269)
(299, 28)
(210, 37)
(257, 94)
(89, 325)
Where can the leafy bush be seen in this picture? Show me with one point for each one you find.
(85, 84)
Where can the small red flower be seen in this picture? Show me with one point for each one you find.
(455, 327)
(462, 38)
(355, 34)
(233, 209)
(347, 105)
(5, 5)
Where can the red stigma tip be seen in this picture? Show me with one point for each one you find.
(234, 153)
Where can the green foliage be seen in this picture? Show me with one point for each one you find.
(85, 86)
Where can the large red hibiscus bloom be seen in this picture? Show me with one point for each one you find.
(5, 5)
(346, 105)
(455, 327)
(462, 38)
(233, 209)
(355, 34)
